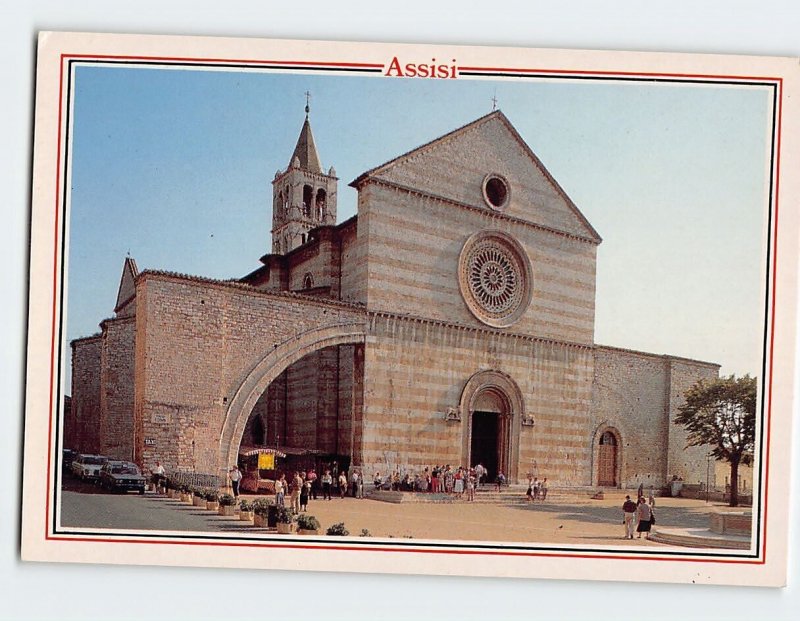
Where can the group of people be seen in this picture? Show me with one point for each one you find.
(537, 490)
(638, 516)
(439, 479)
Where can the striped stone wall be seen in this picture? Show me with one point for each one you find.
(415, 370)
(412, 265)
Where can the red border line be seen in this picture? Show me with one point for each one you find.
(620, 73)
(325, 547)
(201, 62)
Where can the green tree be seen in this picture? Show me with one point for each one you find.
(721, 413)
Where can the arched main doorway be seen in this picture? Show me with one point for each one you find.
(491, 407)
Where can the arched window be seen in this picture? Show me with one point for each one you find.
(308, 196)
(308, 281)
(320, 204)
(608, 439)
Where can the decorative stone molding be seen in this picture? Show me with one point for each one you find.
(495, 278)
(453, 415)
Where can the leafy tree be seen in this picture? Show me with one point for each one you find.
(721, 413)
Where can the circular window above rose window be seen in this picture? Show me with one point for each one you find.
(494, 275)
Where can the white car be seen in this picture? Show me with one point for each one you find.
(87, 467)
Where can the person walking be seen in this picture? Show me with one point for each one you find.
(304, 492)
(629, 516)
(354, 483)
(342, 484)
(470, 487)
(360, 485)
(312, 479)
(235, 476)
(645, 515)
(543, 489)
(327, 482)
(280, 490)
(297, 487)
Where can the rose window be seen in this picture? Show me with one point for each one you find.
(494, 278)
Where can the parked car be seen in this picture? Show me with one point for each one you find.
(67, 457)
(122, 476)
(87, 467)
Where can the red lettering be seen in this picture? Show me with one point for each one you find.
(394, 66)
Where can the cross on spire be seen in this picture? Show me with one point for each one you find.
(308, 100)
(494, 102)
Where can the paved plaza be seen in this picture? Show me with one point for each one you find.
(571, 520)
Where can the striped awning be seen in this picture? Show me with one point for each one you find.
(249, 451)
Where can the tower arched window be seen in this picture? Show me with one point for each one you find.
(320, 204)
(308, 281)
(308, 195)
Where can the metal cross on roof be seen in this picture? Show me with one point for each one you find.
(308, 99)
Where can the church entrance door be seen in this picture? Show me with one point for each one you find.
(486, 442)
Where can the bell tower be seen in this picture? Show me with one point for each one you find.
(303, 196)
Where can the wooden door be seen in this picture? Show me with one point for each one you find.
(607, 460)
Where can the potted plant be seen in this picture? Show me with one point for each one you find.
(260, 510)
(245, 511)
(185, 493)
(284, 520)
(212, 499)
(307, 525)
(199, 497)
(338, 530)
(227, 505)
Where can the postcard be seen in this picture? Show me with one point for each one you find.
(411, 309)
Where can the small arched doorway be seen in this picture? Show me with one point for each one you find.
(607, 459)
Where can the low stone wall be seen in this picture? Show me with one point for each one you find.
(732, 523)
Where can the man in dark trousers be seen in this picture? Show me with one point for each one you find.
(629, 516)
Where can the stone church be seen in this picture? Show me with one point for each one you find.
(451, 321)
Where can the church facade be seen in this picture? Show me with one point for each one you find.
(451, 321)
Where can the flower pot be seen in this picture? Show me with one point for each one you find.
(304, 531)
(260, 520)
(227, 510)
(284, 529)
(199, 502)
(187, 498)
(212, 505)
(246, 516)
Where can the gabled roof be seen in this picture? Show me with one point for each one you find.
(127, 284)
(498, 115)
(306, 151)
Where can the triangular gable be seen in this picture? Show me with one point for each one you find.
(455, 165)
(127, 284)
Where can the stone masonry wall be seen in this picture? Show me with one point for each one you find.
(86, 355)
(689, 463)
(117, 388)
(415, 370)
(201, 339)
(413, 266)
(629, 396)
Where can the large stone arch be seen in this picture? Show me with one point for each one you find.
(256, 380)
(505, 389)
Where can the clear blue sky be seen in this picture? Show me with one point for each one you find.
(175, 166)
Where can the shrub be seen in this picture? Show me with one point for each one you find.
(261, 506)
(338, 530)
(211, 495)
(198, 491)
(226, 500)
(244, 505)
(307, 522)
(284, 515)
(365, 533)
